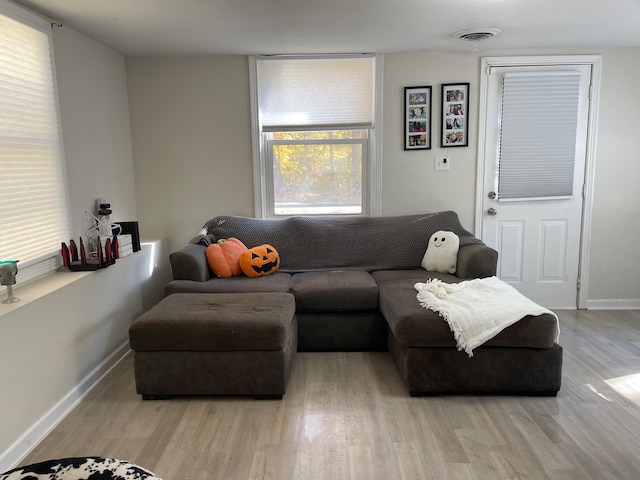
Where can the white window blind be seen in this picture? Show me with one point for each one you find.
(316, 93)
(34, 216)
(538, 134)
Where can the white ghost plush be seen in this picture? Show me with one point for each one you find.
(442, 252)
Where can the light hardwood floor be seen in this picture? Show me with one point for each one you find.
(348, 416)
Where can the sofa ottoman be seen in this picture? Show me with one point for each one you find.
(215, 344)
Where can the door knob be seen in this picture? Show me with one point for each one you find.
(492, 212)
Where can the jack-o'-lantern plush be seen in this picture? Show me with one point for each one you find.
(260, 261)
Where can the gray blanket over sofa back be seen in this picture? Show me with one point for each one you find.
(316, 243)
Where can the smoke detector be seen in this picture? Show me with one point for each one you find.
(476, 34)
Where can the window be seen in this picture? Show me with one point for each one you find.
(34, 214)
(538, 129)
(315, 142)
(317, 172)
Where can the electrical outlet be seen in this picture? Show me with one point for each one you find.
(441, 163)
(85, 212)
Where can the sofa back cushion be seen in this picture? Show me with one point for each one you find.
(321, 243)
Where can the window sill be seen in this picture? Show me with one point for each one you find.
(39, 288)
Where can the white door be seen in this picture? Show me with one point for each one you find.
(534, 174)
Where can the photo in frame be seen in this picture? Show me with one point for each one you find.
(454, 129)
(417, 118)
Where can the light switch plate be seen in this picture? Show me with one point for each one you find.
(85, 212)
(442, 163)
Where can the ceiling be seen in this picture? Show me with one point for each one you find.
(161, 27)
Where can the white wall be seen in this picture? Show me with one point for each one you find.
(70, 327)
(615, 268)
(191, 142)
(192, 153)
(92, 89)
(410, 184)
(63, 337)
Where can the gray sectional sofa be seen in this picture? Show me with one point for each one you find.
(353, 281)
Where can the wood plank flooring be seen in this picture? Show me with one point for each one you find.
(348, 416)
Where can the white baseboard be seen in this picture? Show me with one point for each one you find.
(11, 457)
(614, 304)
(553, 308)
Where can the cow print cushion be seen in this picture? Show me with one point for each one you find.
(80, 468)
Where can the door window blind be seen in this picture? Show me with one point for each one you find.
(34, 216)
(316, 93)
(538, 134)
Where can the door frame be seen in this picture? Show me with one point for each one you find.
(595, 61)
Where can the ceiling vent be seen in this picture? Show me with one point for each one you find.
(476, 34)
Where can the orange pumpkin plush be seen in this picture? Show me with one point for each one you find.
(260, 261)
(223, 257)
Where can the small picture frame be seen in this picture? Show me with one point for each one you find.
(454, 129)
(417, 118)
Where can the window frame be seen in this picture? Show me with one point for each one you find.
(263, 185)
(47, 261)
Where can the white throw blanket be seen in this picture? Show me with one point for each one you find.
(476, 310)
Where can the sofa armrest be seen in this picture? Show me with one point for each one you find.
(190, 263)
(476, 261)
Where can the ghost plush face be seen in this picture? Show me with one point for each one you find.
(442, 252)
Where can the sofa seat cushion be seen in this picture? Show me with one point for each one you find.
(343, 290)
(416, 326)
(215, 322)
(277, 282)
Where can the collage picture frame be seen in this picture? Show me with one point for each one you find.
(417, 118)
(454, 126)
